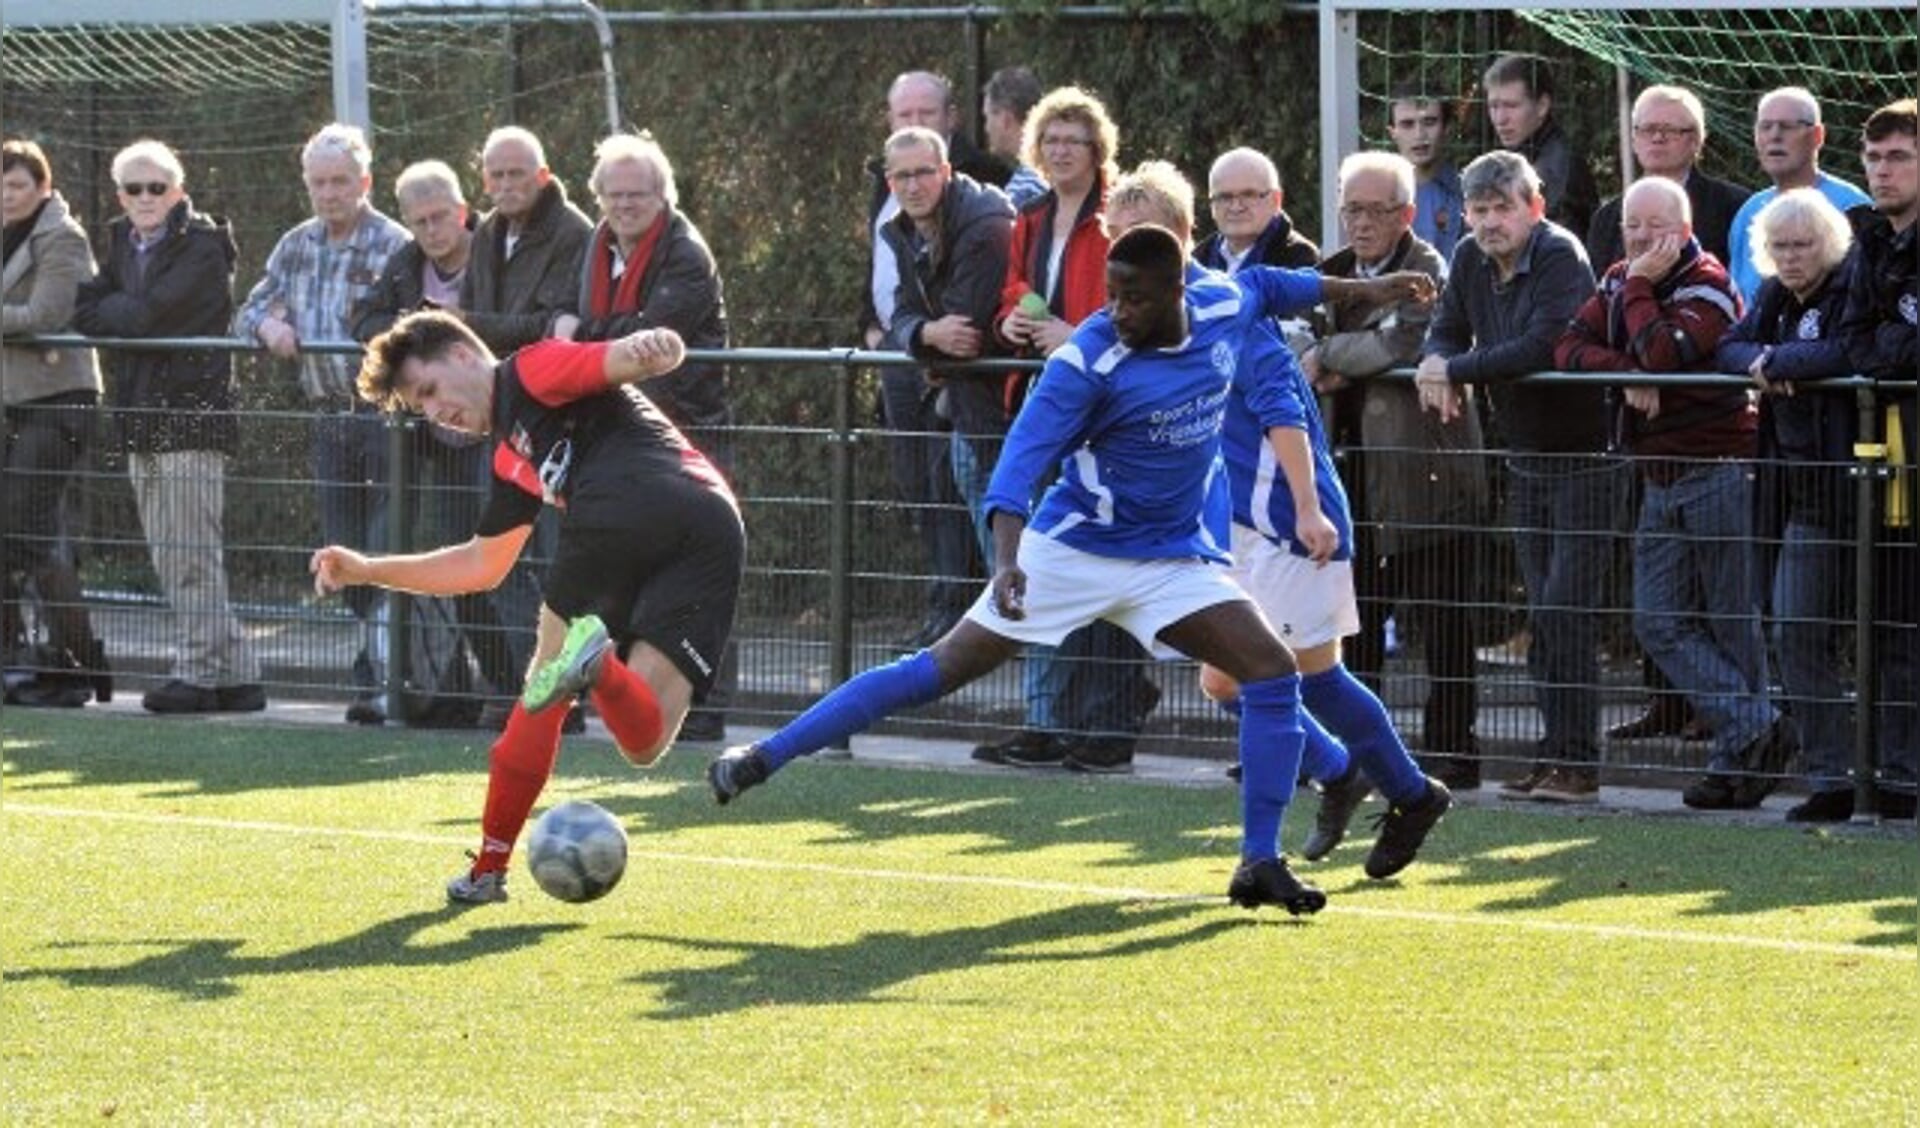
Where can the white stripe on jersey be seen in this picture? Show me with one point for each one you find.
(1107, 361)
(1229, 307)
(1264, 476)
(1069, 353)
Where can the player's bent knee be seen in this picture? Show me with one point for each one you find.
(1217, 686)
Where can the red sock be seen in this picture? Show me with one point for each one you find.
(626, 703)
(521, 762)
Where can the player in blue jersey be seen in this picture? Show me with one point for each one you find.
(1292, 542)
(1127, 413)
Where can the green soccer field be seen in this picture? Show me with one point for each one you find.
(222, 923)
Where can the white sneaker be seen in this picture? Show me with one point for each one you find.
(478, 888)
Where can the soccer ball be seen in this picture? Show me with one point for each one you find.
(577, 851)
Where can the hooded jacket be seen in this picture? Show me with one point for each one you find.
(41, 282)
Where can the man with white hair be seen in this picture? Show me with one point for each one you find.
(1425, 485)
(1669, 134)
(1250, 223)
(1696, 595)
(168, 271)
(1787, 136)
(315, 274)
(648, 267)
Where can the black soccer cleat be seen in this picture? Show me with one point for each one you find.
(1403, 828)
(1339, 798)
(1269, 882)
(735, 770)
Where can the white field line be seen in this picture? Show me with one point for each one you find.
(1099, 892)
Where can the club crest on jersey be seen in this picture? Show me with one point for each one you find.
(1222, 358)
(1809, 327)
(1910, 309)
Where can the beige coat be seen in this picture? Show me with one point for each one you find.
(40, 282)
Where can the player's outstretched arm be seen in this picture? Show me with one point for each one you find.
(477, 565)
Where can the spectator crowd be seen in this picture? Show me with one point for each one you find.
(1739, 500)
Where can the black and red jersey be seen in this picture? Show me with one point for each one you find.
(564, 436)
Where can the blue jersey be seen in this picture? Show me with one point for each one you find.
(1136, 435)
(1261, 499)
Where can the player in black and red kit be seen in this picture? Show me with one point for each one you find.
(651, 546)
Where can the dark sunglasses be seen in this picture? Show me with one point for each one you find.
(150, 188)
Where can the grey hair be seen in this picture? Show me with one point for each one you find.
(1668, 190)
(1503, 174)
(1679, 96)
(424, 179)
(1158, 187)
(339, 140)
(1799, 95)
(1250, 156)
(1392, 165)
(507, 134)
(1796, 208)
(641, 150)
(150, 152)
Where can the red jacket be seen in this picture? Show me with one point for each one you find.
(1669, 325)
(1083, 265)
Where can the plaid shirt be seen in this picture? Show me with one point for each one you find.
(312, 285)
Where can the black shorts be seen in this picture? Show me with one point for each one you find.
(670, 579)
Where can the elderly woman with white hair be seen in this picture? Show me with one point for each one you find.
(1787, 341)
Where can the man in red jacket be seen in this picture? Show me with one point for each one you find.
(1696, 601)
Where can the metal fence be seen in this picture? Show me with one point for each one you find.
(836, 577)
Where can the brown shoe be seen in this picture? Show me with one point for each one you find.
(1568, 785)
(1523, 787)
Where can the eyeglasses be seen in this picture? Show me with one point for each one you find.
(1663, 132)
(1351, 212)
(1065, 143)
(1239, 199)
(1772, 125)
(155, 188)
(900, 178)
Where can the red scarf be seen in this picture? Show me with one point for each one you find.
(627, 300)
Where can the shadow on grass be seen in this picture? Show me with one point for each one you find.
(861, 970)
(1519, 860)
(211, 969)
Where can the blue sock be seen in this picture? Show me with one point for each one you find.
(1322, 758)
(1270, 743)
(1352, 713)
(856, 704)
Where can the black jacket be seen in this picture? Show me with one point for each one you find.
(510, 302)
(1492, 333)
(967, 159)
(961, 274)
(1806, 438)
(1715, 203)
(1565, 179)
(1278, 245)
(1880, 326)
(681, 291)
(171, 400)
(397, 293)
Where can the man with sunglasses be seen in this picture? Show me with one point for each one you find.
(168, 272)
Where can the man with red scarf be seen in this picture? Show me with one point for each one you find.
(646, 267)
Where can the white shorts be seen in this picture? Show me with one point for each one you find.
(1308, 604)
(1067, 589)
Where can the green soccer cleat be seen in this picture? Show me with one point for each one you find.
(574, 670)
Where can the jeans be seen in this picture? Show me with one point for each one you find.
(1561, 508)
(1696, 601)
(922, 463)
(973, 460)
(1811, 587)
